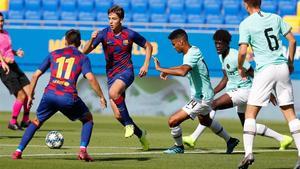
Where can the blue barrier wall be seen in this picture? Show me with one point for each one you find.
(37, 44)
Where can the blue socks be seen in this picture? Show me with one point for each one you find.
(31, 129)
(86, 133)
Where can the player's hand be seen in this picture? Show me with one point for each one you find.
(143, 71)
(273, 99)
(242, 73)
(156, 62)
(5, 67)
(163, 76)
(94, 34)
(29, 102)
(20, 52)
(103, 102)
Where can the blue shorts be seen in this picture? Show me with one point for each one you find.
(126, 76)
(71, 106)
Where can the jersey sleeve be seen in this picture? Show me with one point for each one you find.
(138, 39)
(86, 66)
(285, 28)
(45, 64)
(99, 38)
(190, 60)
(244, 34)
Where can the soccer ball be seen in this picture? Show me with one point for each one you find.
(54, 139)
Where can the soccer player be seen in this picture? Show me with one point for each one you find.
(202, 93)
(117, 44)
(237, 91)
(262, 32)
(15, 80)
(61, 94)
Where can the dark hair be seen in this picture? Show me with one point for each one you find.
(253, 3)
(73, 36)
(178, 33)
(222, 35)
(117, 10)
(1, 14)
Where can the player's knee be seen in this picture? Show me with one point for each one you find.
(87, 117)
(214, 105)
(113, 95)
(36, 122)
(172, 122)
(21, 95)
(206, 121)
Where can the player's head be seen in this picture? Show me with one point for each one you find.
(73, 37)
(1, 21)
(252, 4)
(115, 16)
(222, 40)
(179, 39)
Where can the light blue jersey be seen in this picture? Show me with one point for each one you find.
(262, 30)
(200, 85)
(230, 65)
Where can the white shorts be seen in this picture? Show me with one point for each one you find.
(273, 78)
(239, 98)
(197, 107)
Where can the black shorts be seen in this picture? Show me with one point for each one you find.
(15, 80)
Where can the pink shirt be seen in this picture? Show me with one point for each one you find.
(5, 46)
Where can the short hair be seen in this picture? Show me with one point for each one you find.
(178, 33)
(1, 14)
(117, 10)
(73, 36)
(222, 35)
(253, 3)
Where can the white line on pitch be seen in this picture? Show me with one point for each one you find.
(217, 151)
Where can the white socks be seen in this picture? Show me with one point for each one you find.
(265, 131)
(200, 128)
(218, 129)
(176, 132)
(248, 136)
(295, 130)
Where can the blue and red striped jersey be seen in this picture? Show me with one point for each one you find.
(117, 48)
(65, 67)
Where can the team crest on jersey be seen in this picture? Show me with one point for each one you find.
(125, 42)
(228, 66)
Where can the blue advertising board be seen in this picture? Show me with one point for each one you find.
(38, 43)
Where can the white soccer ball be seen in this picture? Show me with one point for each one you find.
(54, 139)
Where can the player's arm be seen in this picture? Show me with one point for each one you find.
(175, 71)
(144, 69)
(222, 84)
(292, 48)
(89, 46)
(241, 59)
(96, 87)
(5, 67)
(250, 72)
(35, 77)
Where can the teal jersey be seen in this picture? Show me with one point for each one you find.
(230, 65)
(262, 32)
(200, 85)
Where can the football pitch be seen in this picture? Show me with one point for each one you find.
(112, 151)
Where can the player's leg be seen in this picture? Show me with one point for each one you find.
(220, 103)
(86, 132)
(218, 129)
(259, 96)
(17, 106)
(174, 123)
(44, 112)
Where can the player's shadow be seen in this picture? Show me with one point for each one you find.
(12, 137)
(123, 159)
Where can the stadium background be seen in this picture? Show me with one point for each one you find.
(38, 26)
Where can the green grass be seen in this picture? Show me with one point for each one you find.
(108, 146)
